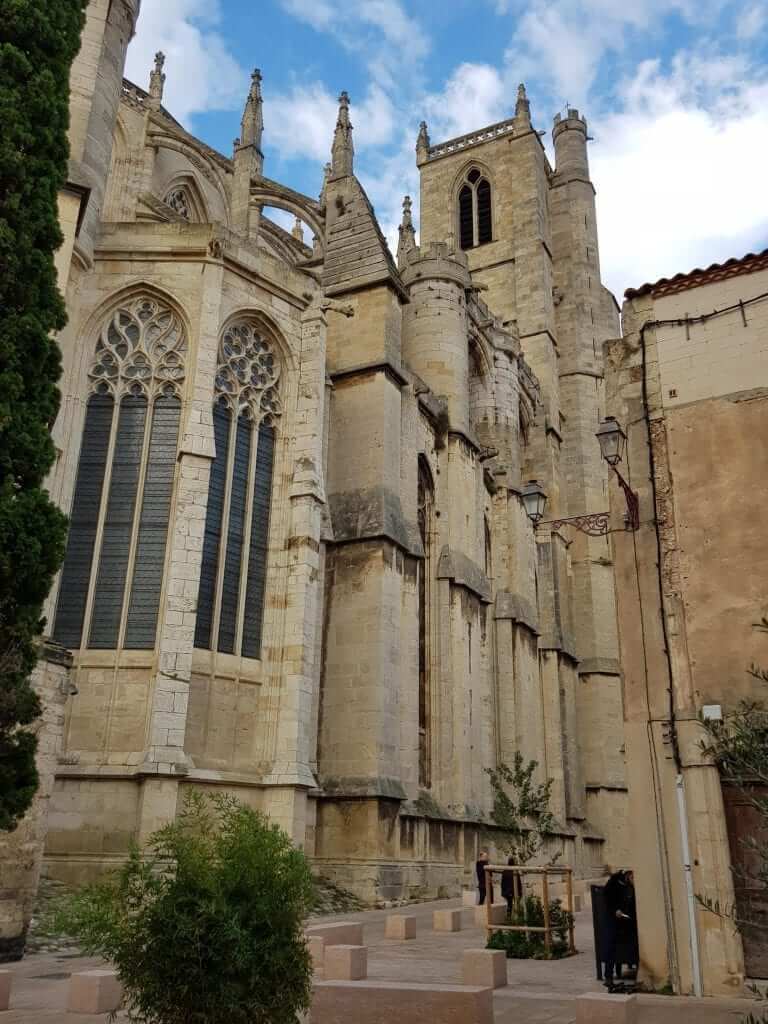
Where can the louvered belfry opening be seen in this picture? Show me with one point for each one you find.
(230, 607)
(109, 595)
(475, 211)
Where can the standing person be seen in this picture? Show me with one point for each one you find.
(511, 886)
(482, 860)
(622, 924)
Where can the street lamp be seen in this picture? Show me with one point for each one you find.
(534, 500)
(612, 440)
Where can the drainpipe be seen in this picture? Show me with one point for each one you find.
(682, 814)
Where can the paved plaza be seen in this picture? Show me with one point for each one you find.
(537, 992)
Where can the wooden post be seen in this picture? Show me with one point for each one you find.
(569, 891)
(488, 900)
(545, 901)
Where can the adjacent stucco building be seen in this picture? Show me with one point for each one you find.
(689, 382)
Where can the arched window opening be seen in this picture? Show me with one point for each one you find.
(425, 511)
(475, 215)
(230, 607)
(109, 595)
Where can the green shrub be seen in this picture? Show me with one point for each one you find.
(530, 945)
(206, 927)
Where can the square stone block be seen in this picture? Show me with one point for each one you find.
(484, 967)
(498, 914)
(382, 1002)
(340, 933)
(400, 926)
(469, 898)
(603, 1008)
(316, 946)
(578, 903)
(346, 963)
(446, 920)
(94, 992)
(6, 979)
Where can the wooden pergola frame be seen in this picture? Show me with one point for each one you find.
(545, 873)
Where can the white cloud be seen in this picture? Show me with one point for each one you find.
(474, 96)
(561, 43)
(752, 22)
(301, 123)
(378, 30)
(201, 72)
(678, 170)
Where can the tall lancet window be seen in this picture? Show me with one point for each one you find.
(475, 216)
(109, 595)
(425, 510)
(230, 606)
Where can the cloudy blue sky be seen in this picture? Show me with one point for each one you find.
(676, 93)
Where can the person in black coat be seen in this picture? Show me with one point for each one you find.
(621, 913)
(511, 886)
(482, 860)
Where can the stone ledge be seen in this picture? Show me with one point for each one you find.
(600, 667)
(518, 609)
(463, 572)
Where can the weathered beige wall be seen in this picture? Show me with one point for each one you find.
(21, 851)
(707, 387)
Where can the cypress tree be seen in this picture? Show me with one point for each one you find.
(39, 39)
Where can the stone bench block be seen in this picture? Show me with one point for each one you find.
(94, 992)
(341, 933)
(6, 980)
(498, 914)
(382, 1002)
(446, 920)
(469, 898)
(400, 926)
(603, 1008)
(484, 967)
(316, 946)
(346, 963)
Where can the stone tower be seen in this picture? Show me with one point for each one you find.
(528, 232)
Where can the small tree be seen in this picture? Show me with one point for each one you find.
(521, 807)
(739, 747)
(206, 926)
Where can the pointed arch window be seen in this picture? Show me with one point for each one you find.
(109, 594)
(230, 607)
(475, 213)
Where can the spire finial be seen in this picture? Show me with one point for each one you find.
(522, 107)
(298, 231)
(157, 80)
(343, 150)
(422, 144)
(252, 124)
(407, 239)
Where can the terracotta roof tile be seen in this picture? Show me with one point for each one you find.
(694, 278)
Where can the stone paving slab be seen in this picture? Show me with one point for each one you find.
(537, 992)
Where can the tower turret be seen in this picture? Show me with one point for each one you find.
(435, 325)
(569, 135)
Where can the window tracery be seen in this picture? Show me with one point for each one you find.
(233, 576)
(178, 200)
(109, 595)
(140, 350)
(474, 209)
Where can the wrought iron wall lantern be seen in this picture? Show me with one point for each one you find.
(612, 440)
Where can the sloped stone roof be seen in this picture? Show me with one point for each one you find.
(356, 253)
